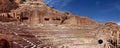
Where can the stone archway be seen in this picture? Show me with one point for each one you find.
(4, 43)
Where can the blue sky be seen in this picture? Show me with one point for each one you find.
(98, 10)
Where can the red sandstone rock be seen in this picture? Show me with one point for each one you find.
(6, 6)
(37, 25)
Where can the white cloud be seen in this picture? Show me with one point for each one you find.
(118, 23)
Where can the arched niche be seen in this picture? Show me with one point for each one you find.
(4, 43)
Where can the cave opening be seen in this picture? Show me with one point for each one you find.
(11, 0)
(46, 19)
(4, 43)
(24, 0)
(58, 19)
(100, 41)
(24, 18)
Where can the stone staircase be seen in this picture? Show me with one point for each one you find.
(57, 37)
(52, 37)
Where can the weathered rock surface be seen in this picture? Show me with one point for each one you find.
(35, 13)
(7, 5)
(34, 24)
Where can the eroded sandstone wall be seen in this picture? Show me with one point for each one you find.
(7, 5)
(38, 13)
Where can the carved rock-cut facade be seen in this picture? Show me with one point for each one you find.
(34, 24)
(35, 12)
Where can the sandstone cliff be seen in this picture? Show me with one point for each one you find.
(41, 13)
(7, 5)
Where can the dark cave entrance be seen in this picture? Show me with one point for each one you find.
(11, 0)
(24, 0)
(46, 19)
(58, 19)
(24, 18)
(4, 43)
(100, 41)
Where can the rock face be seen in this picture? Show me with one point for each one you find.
(34, 24)
(7, 5)
(39, 12)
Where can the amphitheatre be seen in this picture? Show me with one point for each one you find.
(34, 24)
